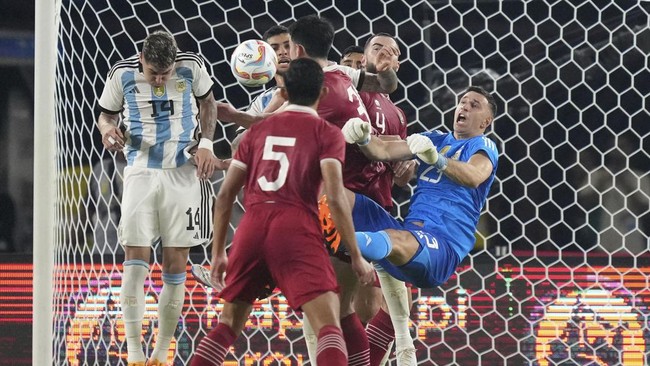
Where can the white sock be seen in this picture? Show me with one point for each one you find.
(399, 308)
(311, 339)
(170, 307)
(135, 272)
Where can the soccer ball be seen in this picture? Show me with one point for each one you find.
(253, 63)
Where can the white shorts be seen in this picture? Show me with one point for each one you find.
(171, 205)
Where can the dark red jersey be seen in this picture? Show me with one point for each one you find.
(341, 103)
(282, 156)
(385, 116)
(387, 119)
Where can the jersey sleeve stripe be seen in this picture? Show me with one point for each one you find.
(108, 111)
(189, 56)
(132, 64)
(330, 160)
(238, 164)
(206, 93)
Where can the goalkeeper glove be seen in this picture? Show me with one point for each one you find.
(423, 148)
(356, 131)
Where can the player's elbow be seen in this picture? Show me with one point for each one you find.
(337, 199)
(391, 86)
(224, 200)
(473, 184)
(336, 205)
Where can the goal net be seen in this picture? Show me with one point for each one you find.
(559, 271)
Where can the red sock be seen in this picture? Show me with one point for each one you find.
(380, 334)
(356, 341)
(213, 347)
(331, 347)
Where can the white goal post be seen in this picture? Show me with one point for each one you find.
(562, 245)
(44, 179)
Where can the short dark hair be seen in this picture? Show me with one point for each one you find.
(352, 49)
(274, 31)
(160, 49)
(491, 101)
(380, 34)
(314, 33)
(303, 81)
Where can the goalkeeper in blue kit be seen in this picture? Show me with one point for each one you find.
(454, 177)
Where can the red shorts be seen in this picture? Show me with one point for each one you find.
(278, 245)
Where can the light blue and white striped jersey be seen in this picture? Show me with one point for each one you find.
(447, 208)
(261, 101)
(160, 121)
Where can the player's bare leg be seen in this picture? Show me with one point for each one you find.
(170, 301)
(353, 331)
(349, 285)
(356, 338)
(323, 315)
(135, 272)
(214, 346)
(367, 302)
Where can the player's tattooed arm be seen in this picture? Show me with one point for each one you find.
(206, 162)
(208, 116)
(385, 80)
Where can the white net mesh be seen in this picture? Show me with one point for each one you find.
(558, 275)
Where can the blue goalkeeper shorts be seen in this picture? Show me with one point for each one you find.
(433, 263)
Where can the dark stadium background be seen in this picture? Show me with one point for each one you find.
(552, 128)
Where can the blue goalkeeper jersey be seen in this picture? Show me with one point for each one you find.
(444, 206)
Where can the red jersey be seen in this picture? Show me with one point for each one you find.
(282, 156)
(385, 116)
(387, 119)
(341, 103)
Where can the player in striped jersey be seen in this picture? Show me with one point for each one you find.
(166, 193)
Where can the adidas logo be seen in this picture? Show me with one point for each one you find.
(196, 236)
(368, 239)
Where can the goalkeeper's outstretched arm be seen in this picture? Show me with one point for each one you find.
(357, 131)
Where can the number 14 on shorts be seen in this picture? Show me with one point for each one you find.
(195, 218)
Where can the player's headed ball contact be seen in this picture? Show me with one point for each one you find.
(253, 63)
